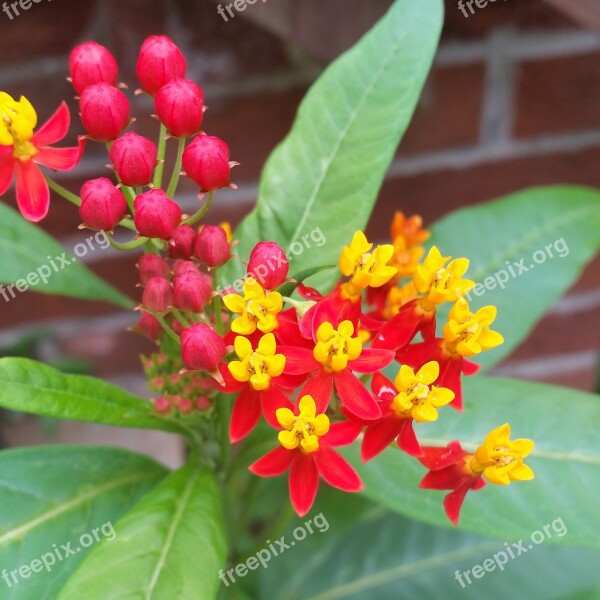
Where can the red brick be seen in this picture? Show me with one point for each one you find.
(558, 95)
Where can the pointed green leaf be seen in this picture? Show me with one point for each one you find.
(171, 545)
(322, 181)
(31, 252)
(535, 242)
(51, 496)
(32, 387)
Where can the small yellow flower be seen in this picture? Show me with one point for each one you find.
(226, 227)
(397, 297)
(257, 366)
(417, 397)
(410, 229)
(17, 122)
(302, 430)
(468, 333)
(366, 268)
(257, 309)
(335, 347)
(440, 282)
(501, 460)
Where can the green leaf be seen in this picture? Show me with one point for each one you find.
(287, 289)
(32, 387)
(53, 495)
(522, 228)
(563, 424)
(171, 545)
(26, 249)
(392, 557)
(320, 184)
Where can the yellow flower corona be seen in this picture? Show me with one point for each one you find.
(257, 309)
(17, 122)
(258, 366)
(417, 397)
(440, 282)
(366, 268)
(302, 430)
(501, 460)
(468, 333)
(335, 347)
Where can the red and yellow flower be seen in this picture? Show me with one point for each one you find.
(22, 150)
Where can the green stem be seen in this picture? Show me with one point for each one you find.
(127, 245)
(179, 316)
(128, 224)
(217, 306)
(177, 169)
(166, 327)
(59, 189)
(160, 167)
(200, 213)
(129, 196)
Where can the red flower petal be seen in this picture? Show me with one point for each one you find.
(272, 399)
(470, 368)
(336, 470)
(453, 502)
(372, 360)
(231, 385)
(355, 396)
(60, 159)
(450, 377)
(407, 440)
(274, 463)
(344, 432)
(398, 332)
(379, 436)
(436, 458)
(319, 386)
(448, 478)
(303, 483)
(246, 414)
(382, 388)
(33, 195)
(7, 170)
(309, 293)
(298, 361)
(54, 129)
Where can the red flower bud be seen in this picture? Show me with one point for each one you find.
(149, 326)
(202, 348)
(203, 403)
(159, 62)
(156, 215)
(191, 292)
(268, 264)
(180, 107)
(182, 242)
(104, 111)
(185, 405)
(211, 246)
(134, 159)
(152, 265)
(162, 405)
(185, 266)
(206, 161)
(158, 295)
(102, 204)
(91, 63)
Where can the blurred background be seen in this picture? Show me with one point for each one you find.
(513, 101)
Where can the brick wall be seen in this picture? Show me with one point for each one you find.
(513, 101)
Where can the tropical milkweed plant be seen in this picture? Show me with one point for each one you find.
(343, 439)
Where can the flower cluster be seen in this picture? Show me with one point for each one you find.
(363, 361)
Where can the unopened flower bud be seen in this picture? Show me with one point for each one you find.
(182, 242)
(159, 62)
(102, 204)
(134, 159)
(149, 326)
(211, 246)
(91, 63)
(156, 215)
(104, 111)
(185, 266)
(206, 162)
(268, 264)
(162, 405)
(158, 296)
(185, 405)
(152, 265)
(203, 403)
(202, 348)
(180, 107)
(190, 292)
